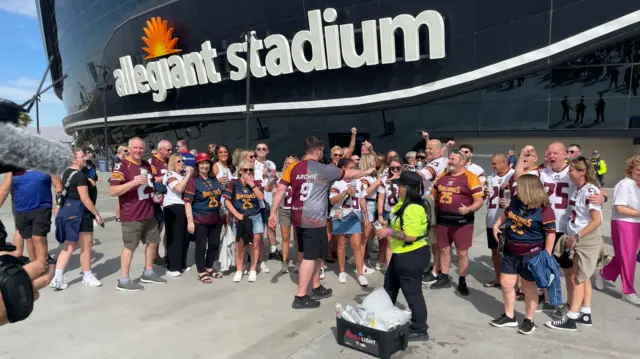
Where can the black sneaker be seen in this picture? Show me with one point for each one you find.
(321, 293)
(276, 256)
(561, 311)
(462, 288)
(585, 319)
(428, 278)
(304, 303)
(418, 337)
(442, 282)
(527, 327)
(545, 307)
(504, 321)
(565, 323)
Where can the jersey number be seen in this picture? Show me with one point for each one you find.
(287, 197)
(351, 202)
(558, 188)
(246, 204)
(213, 202)
(446, 198)
(305, 191)
(495, 193)
(392, 199)
(141, 195)
(517, 229)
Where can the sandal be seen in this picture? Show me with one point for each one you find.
(492, 284)
(519, 294)
(216, 275)
(205, 277)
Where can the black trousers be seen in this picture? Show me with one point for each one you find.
(177, 236)
(405, 272)
(207, 244)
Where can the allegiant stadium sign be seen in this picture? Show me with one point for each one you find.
(332, 47)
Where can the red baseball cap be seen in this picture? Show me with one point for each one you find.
(202, 157)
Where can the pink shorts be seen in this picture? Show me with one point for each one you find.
(461, 236)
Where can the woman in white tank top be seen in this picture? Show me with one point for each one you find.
(222, 168)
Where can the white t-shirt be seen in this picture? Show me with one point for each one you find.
(261, 172)
(478, 171)
(559, 187)
(580, 208)
(349, 204)
(432, 171)
(223, 171)
(366, 183)
(171, 179)
(626, 193)
(496, 192)
(390, 194)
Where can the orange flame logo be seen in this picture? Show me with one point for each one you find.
(159, 39)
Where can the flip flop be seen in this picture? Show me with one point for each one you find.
(205, 278)
(216, 275)
(492, 284)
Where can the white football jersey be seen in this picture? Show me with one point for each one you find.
(350, 204)
(496, 192)
(433, 169)
(260, 170)
(559, 187)
(390, 194)
(366, 182)
(580, 208)
(478, 171)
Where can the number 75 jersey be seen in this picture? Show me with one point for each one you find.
(310, 183)
(136, 204)
(559, 187)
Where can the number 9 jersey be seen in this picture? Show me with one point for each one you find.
(137, 204)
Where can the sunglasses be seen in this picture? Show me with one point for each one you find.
(261, 149)
(338, 155)
(572, 151)
(394, 168)
(252, 157)
(465, 151)
(245, 170)
(356, 159)
(421, 157)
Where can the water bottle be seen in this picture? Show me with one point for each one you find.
(352, 184)
(419, 166)
(339, 310)
(507, 196)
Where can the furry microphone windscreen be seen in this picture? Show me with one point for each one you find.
(20, 149)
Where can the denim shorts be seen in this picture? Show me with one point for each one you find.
(350, 224)
(258, 225)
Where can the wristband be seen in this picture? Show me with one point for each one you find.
(388, 232)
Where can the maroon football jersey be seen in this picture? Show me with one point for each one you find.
(137, 204)
(158, 166)
(450, 192)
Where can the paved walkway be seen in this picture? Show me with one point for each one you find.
(186, 319)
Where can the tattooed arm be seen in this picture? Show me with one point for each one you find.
(401, 236)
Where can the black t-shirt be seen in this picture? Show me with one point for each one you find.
(89, 170)
(79, 179)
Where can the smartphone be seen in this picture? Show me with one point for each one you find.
(377, 225)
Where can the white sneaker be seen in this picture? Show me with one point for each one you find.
(342, 277)
(362, 280)
(598, 281)
(59, 284)
(378, 266)
(90, 280)
(368, 270)
(321, 273)
(631, 298)
(264, 268)
(237, 278)
(253, 275)
(188, 269)
(174, 273)
(291, 264)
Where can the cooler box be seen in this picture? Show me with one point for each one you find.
(372, 341)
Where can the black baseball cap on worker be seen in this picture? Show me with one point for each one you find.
(409, 179)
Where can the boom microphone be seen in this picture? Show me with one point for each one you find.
(22, 150)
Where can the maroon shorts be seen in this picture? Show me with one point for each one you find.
(461, 236)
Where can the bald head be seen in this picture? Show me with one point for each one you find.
(164, 144)
(556, 154)
(434, 148)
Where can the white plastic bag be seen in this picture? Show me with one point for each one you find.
(377, 300)
(227, 249)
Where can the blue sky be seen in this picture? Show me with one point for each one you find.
(22, 69)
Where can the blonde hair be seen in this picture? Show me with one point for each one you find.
(367, 161)
(238, 155)
(583, 164)
(122, 149)
(244, 163)
(381, 161)
(630, 164)
(337, 148)
(531, 191)
(171, 164)
(284, 164)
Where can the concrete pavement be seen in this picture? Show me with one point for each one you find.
(254, 320)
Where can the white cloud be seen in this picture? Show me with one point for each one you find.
(23, 88)
(22, 7)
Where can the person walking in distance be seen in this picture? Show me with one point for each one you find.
(310, 183)
(600, 167)
(130, 182)
(265, 170)
(458, 195)
(625, 231)
(159, 166)
(494, 191)
(74, 222)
